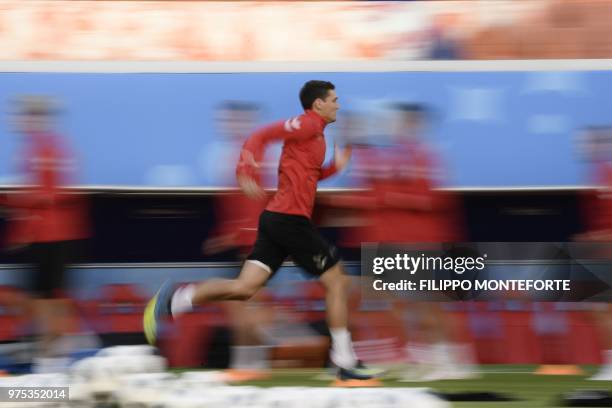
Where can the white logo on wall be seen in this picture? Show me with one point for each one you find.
(554, 81)
(476, 104)
(547, 124)
(174, 175)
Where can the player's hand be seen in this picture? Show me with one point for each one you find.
(342, 156)
(595, 236)
(218, 244)
(251, 188)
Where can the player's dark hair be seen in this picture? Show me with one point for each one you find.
(420, 110)
(596, 128)
(313, 90)
(411, 108)
(235, 105)
(597, 133)
(36, 105)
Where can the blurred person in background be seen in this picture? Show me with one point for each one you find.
(284, 227)
(595, 147)
(236, 214)
(399, 176)
(443, 39)
(347, 210)
(401, 205)
(49, 223)
(406, 191)
(235, 231)
(409, 209)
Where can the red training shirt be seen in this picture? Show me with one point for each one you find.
(47, 211)
(300, 167)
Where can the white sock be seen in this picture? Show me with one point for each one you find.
(260, 359)
(417, 353)
(181, 300)
(240, 357)
(249, 357)
(342, 353)
(440, 355)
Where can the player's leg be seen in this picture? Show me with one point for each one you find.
(252, 277)
(337, 286)
(54, 313)
(603, 316)
(259, 266)
(249, 352)
(48, 279)
(169, 301)
(313, 253)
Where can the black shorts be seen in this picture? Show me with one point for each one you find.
(49, 261)
(282, 235)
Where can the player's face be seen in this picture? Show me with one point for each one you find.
(329, 106)
(25, 123)
(235, 123)
(414, 122)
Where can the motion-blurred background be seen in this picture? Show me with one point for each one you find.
(140, 171)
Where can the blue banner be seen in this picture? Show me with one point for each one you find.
(168, 130)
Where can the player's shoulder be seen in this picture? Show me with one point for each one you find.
(302, 122)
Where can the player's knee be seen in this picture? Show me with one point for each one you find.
(244, 290)
(336, 280)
